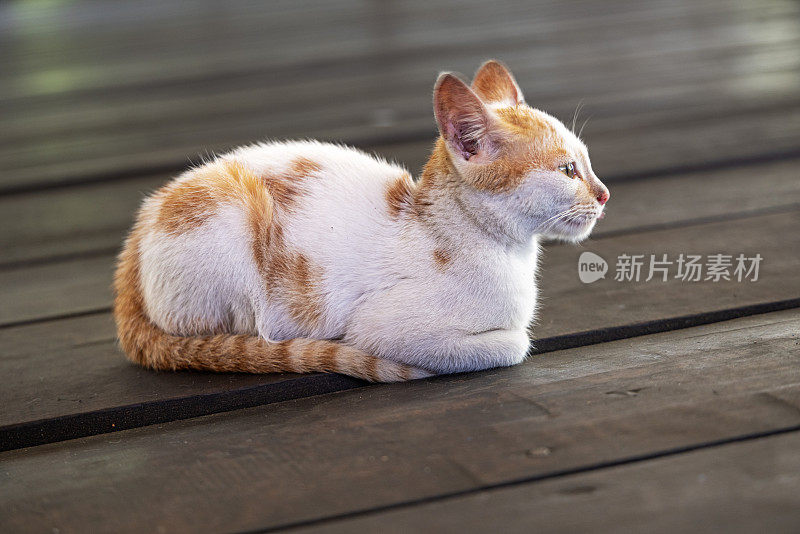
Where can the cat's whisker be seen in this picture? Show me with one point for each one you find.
(575, 115)
(549, 223)
(583, 126)
(556, 217)
(573, 215)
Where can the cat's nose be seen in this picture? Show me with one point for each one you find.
(598, 190)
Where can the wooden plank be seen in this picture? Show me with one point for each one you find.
(82, 385)
(70, 222)
(617, 303)
(364, 110)
(310, 459)
(572, 314)
(55, 290)
(749, 486)
(93, 219)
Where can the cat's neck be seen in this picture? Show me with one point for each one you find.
(457, 213)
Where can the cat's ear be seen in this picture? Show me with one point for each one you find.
(494, 83)
(462, 118)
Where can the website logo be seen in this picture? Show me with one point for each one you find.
(591, 267)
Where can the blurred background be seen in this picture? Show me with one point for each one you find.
(691, 111)
(126, 94)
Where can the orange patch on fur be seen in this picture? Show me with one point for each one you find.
(185, 206)
(282, 354)
(328, 357)
(524, 118)
(438, 163)
(287, 275)
(367, 367)
(303, 291)
(538, 140)
(437, 170)
(304, 167)
(442, 258)
(489, 92)
(400, 195)
(286, 187)
(188, 204)
(531, 142)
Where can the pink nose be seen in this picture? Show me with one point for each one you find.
(603, 197)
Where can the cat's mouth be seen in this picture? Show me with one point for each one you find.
(573, 224)
(580, 223)
(578, 227)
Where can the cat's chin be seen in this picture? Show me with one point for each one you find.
(572, 231)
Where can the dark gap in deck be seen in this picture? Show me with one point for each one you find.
(59, 317)
(614, 333)
(150, 413)
(58, 258)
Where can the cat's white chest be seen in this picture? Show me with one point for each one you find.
(517, 290)
(501, 293)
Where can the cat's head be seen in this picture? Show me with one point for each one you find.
(516, 158)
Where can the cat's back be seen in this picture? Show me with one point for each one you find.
(321, 195)
(316, 166)
(338, 201)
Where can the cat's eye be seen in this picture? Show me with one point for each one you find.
(569, 169)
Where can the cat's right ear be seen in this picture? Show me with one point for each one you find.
(462, 118)
(494, 83)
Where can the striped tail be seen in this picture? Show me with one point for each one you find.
(148, 345)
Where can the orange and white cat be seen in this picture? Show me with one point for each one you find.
(305, 256)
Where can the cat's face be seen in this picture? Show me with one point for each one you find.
(517, 158)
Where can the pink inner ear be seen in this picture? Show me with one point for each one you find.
(461, 114)
(461, 139)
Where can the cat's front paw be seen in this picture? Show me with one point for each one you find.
(484, 350)
(512, 347)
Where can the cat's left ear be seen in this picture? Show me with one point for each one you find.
(463, 119)
(494, 83)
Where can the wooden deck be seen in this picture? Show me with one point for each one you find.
(647, 406)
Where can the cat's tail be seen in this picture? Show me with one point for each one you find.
(148, 345)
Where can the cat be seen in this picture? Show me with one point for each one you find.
(305, 256)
